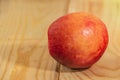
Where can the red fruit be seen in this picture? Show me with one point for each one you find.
(77, 40)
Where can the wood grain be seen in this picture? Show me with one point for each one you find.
(23, 39)
(24, 51)
(108, 67)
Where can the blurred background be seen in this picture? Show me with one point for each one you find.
(24, 51)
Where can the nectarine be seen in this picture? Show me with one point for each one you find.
(77, 40)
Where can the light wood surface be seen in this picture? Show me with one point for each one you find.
(23, 39)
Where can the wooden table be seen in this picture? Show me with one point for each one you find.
(23, 39)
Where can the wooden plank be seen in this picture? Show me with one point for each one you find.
(108, 67)
(23, 39)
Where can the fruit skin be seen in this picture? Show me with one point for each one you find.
(77, 40)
